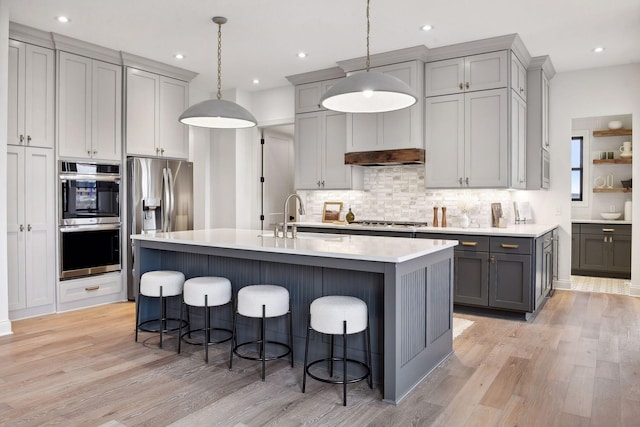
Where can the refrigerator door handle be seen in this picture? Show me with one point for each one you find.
(166, 202)
(172, 201)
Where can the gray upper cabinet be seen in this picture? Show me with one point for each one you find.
(153, 104)
(518, 142)
(395, 129)
(518, 77)
(308, 95)
(31, 81)
(319, 152)
(538, 75)
(89, 108)
(471, 73)
(466, 140)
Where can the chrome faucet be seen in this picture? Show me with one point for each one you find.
(286, 214)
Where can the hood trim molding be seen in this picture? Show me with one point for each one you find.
(406, 156)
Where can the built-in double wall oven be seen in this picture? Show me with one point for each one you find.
(89, 218)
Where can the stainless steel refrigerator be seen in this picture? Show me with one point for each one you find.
(159, 198)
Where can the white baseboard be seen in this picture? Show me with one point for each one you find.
(562, 284)
(634, 291)
(5, 328)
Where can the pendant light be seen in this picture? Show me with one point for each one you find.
(368, 91)
(218, 113)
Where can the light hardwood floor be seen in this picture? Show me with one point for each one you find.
(576, 363)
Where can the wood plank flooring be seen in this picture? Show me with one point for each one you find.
(576, 363)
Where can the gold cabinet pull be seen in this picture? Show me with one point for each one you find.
(469, 243)
(92, 288)
(509, 246)
(608, 230)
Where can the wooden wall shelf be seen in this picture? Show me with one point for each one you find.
(612, 190)
(612, 132)
(626, 161)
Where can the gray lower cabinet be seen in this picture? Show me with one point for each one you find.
(496, 272)
(603, 250)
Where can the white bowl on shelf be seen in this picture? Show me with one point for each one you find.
(611, 215)
(614, 124)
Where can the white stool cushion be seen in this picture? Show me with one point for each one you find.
(252, 298)
(329, 313)
(171, 282)
(217, 290)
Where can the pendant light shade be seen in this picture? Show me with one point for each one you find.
(218, 113)
(368, 91)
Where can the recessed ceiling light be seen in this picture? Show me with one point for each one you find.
(426, 27)
(178, 56)
(302, 55)
(63, 19)
(256, 81)
(598, 49)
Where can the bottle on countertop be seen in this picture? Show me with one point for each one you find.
(350, 216)
(435, 216)
(444, 217)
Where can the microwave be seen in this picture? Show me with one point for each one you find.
(89, 193)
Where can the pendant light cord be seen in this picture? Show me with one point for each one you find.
(219, 60)
(368, 26)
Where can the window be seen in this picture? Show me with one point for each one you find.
(577, 169)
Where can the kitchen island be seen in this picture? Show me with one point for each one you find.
(407, 285)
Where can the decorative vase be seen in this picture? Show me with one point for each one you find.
(464, 220)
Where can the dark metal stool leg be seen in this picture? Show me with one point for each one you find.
(263, 328)
(306, 354)
(234, 338)
(207, 328)
(162, 315)
(291, 335)
(180, 326)
(368, 334)
(344, 363)
(138, 314)
(331, 356)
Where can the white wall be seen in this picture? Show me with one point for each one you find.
(5, 324)
(577, 94)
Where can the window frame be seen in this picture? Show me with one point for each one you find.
(586, 167)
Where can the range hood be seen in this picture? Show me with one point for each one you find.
(406, 156)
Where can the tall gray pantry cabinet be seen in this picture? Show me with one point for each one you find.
(30, 180)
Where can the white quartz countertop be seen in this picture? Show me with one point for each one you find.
(344, 246)
(599, 221)
(513, 230)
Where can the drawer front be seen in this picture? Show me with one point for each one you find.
(466, 242)
(74, 290)
(511, 245)
(606, 229)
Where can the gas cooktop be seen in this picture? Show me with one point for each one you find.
(383, 223)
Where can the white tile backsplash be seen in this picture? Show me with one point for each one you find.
(397, 193)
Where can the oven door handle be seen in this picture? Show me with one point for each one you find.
(91, 227)
(90, 177)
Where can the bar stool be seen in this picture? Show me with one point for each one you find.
(262, 302)
(338, 315)
(206, 292)
(160, 284)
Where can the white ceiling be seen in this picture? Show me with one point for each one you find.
(262, 37)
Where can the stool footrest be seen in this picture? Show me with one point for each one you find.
(338, 359)
(257, 342)
(143, 326)
(192, 342)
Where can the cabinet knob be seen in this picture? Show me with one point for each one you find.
(28, 139)
(162, 151)
(466, 180)
(460, 86)
(460, 180)
(492, 260)
(21, 138)
(157, 151)
(323, 183)
(467, 85)
(88, 152)
(28, 227)
(95, 151)
(21, 227)
(318, 183)
(521, 90)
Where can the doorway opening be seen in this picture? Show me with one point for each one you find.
(276, 174)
